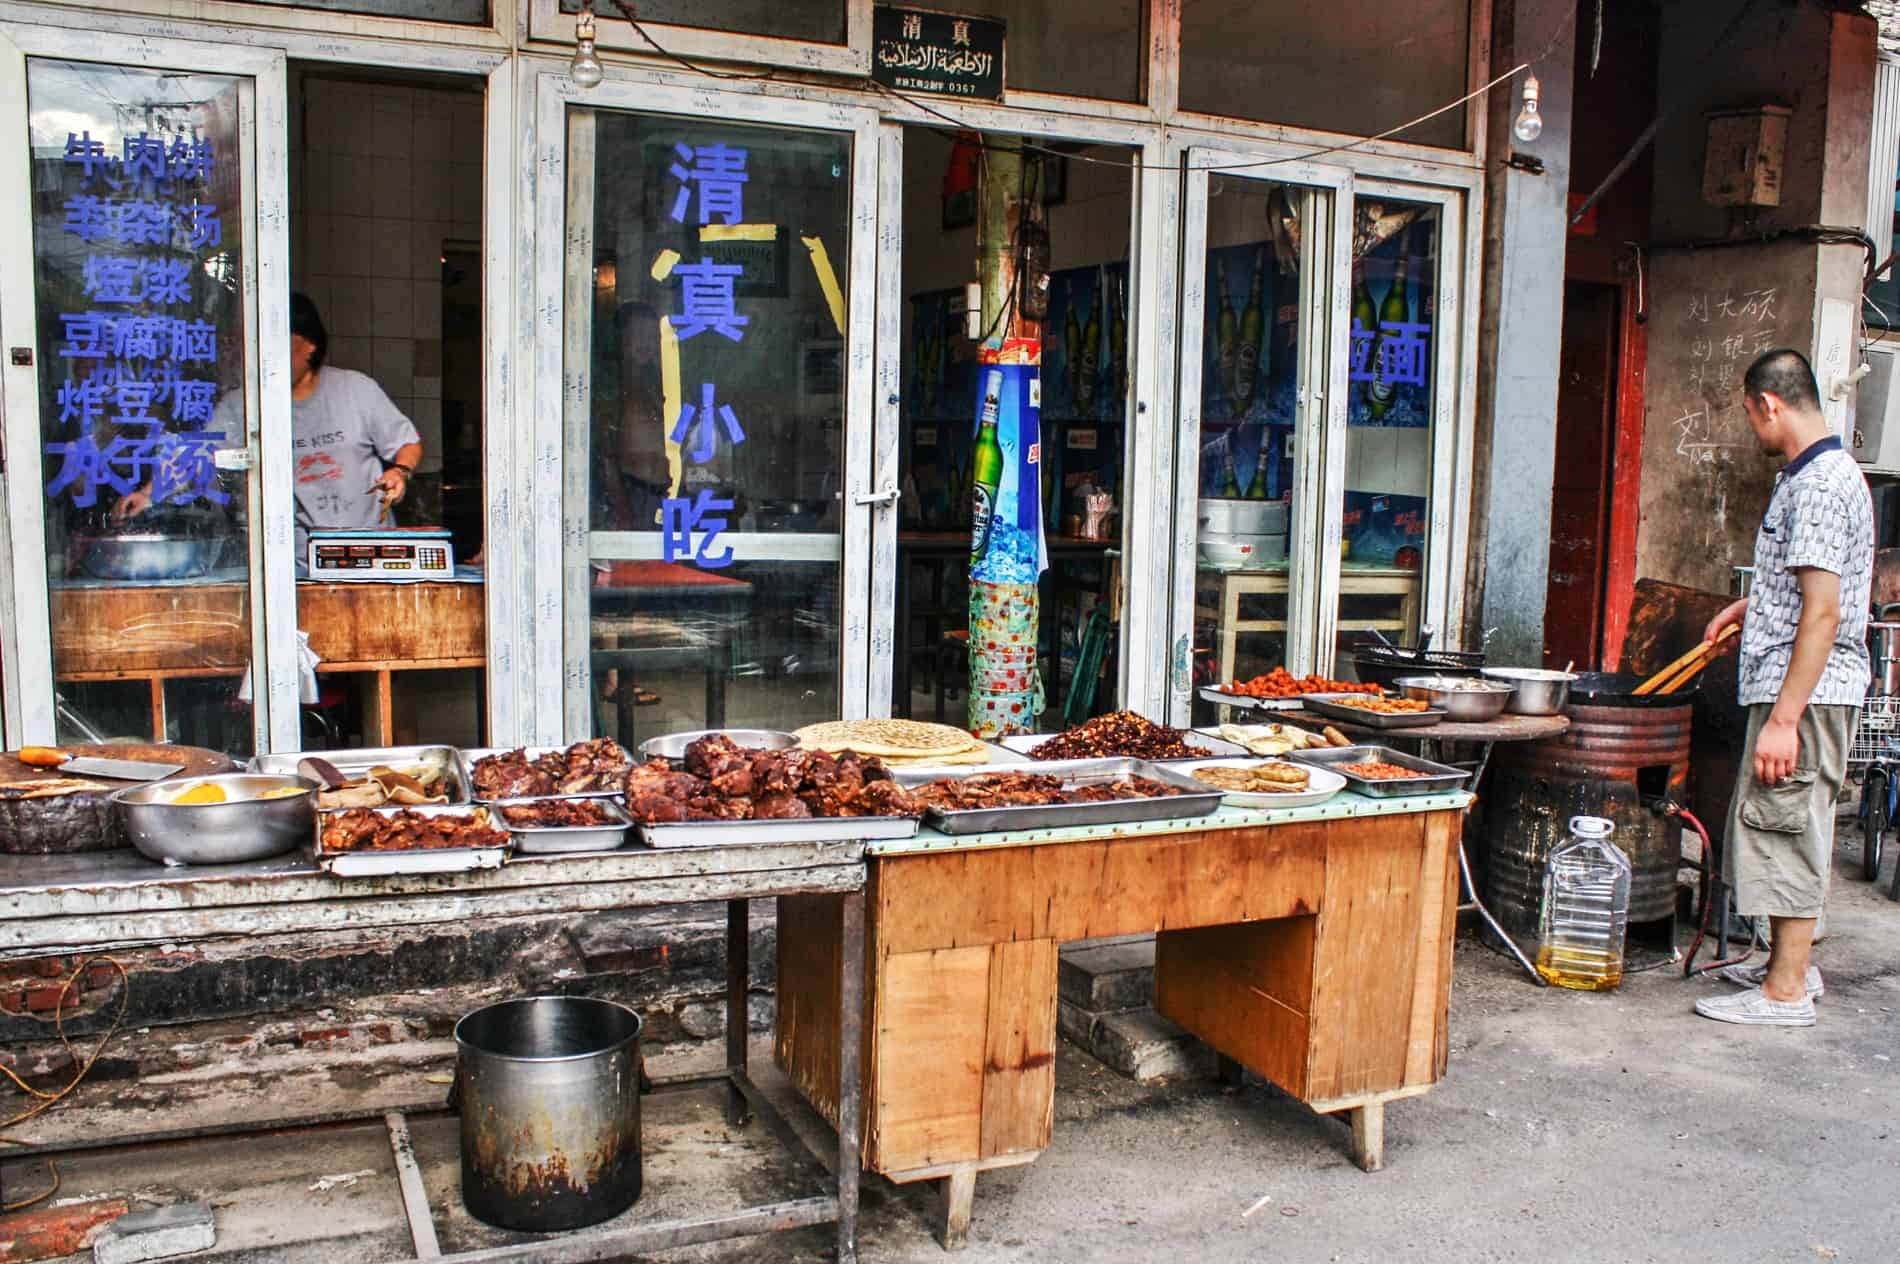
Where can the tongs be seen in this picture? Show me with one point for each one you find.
(1686, 668)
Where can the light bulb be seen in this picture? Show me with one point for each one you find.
(585, 70)
(1529, 124)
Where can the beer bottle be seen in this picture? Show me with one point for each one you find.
(1257, 490)
(1253, 323)
(986, 468)
(1227, 333)
(1395, 310)
(1230, 486)
(1365, 325)
(1091, 357)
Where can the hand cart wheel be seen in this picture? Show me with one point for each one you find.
(1876, 798)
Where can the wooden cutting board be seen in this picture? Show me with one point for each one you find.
(84, 821)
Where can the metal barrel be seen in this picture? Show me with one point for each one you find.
(1612, 762)
(549, 1093)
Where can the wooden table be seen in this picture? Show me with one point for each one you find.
(1310, 945)
(160, 632)
(1354, 581)
(664, 618)
(106, 900)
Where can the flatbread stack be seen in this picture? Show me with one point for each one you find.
(898, 743)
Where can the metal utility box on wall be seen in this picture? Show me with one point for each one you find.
(1742, 164)
(1876, 430)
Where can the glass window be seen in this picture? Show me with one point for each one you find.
(818, 21)
(1356, 66)
(1078, 50)
(460, 12)
(714, 419)
(1390, 382)
(138, 247)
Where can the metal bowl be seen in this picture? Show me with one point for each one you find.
(1463, 699)
(242, 828)
(1535, 690)
(150, 556)
(673, 745)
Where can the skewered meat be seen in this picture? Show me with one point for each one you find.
(723, 781)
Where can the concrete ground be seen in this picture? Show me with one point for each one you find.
(1570, 1127)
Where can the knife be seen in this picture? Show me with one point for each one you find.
(118, 769)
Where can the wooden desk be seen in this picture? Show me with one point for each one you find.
(1354, 581)
(160, 632)
(1312, 946)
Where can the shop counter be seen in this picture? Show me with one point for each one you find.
(1312, 946)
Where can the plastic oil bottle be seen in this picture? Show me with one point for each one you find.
(1586, 909)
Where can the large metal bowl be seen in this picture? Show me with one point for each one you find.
(243, 828)
(1464, 699)
(1535, 690)
(673, 745)
(150, 556)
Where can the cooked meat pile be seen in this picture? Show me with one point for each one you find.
(360, 829)
(560, 814)
(722, 781)
(1029, 789)
(583, 768)
(1120, 734)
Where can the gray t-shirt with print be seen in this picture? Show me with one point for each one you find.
(341, 436)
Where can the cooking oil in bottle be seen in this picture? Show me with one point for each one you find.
(1585, 910)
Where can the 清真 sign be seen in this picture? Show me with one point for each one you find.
(916, 50)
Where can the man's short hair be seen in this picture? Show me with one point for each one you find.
(1786, 374)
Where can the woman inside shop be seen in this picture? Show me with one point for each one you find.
(354, 450)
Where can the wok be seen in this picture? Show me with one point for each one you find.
(1618, 689)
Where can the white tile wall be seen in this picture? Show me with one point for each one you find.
(381, 176)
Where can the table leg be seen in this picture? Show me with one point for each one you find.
(1229, 634)
(850, 1077)
(1368, 1136)
(959, 1195)
(716, 684)
(738, 1020)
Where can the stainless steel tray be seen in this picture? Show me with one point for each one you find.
(1025, 744)
(1322, 704)
(810, 829)
(357, 763)
(1242, 702)
(1199, 800)
(472, 757)
(365, 864)
(536, 839)
(1438, 778)
(673, 745)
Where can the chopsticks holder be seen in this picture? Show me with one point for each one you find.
(1684, 669)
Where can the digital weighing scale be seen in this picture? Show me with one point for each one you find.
(382, 554)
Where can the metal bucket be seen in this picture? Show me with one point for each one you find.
(549, 1092)
(1612, 762)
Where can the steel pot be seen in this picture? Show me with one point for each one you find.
(1537, 690)
(150, 556)
(1462, 698)
(549, 1093)
(242, 828)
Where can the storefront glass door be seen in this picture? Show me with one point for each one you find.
(716, 412)
(135, 400)
(1262, 367)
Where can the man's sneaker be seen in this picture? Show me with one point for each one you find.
(1751, 974)
(1756, 1009)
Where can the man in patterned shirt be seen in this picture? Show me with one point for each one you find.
(1804, 671)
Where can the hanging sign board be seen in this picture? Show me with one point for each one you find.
(917, 50)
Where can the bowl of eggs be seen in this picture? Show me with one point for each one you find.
(218, 820)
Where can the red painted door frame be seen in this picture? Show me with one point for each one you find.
(1626, 460)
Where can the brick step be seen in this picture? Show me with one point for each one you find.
(1102, 976)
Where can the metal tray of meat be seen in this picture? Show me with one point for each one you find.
(1198, 799)
(369, 864)
(1215, 747)
(472, 757)
(1246, 702)
(809, 829)
(673, 745)
(1330, 706)
(355, 764)
(539, 839)
(1437, 778)
(1321, 784)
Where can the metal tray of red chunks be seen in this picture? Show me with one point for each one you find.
(1196, 798)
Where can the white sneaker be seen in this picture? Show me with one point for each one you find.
(1754, 1008)
(1751, 974)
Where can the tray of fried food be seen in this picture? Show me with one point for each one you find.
(722, 794)
(563, 825)
(1380, 772)
(366, 842)
(1280, 690)
(375, 777)
(593, 768)
(1119, 735)
(1264, 783)
(1374, 711)
(1058, 794)
(1275, 740)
